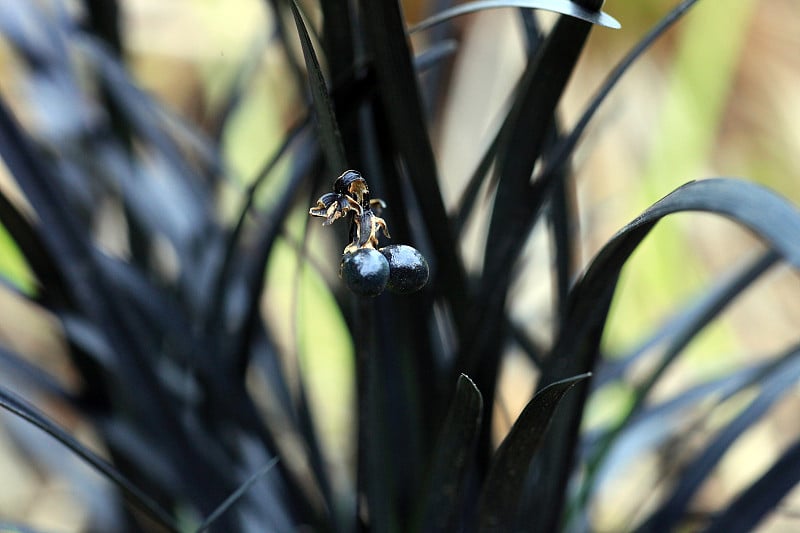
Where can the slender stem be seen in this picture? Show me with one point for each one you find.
(364, 323)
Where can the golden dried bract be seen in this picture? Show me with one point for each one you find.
(332, 206)
(364, 232)
(366, 270)
(350, 196)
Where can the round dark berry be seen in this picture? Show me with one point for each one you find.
(365, 271)
(408, 270)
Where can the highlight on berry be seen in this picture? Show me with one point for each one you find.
(365, 269)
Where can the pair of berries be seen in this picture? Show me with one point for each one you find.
(367, 271)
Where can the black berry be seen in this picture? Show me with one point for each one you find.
(408, 269)
(365, 271)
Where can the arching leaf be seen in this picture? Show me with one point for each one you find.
(564, 7)
(500, 493)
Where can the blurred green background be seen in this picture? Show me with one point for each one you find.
(716, 96)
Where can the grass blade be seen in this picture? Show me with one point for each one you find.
(747, 510)
(529, 125)
(510, 463)
(452, 458)
(712, 307)
(781, 378)
(525, 132)
(221, 278)
(142, 116)
(728, 286)
(230, 500)
(562, 221)
(22, 409)
(376, 471)
(562, 152)
(21, 371)
(400, 100)
(564, 7)
(92, 291)
(337, 36)
(533, 33)
(33, 249)
(330, 138)
(27, 170)
(466, 202)
(251, 277)
(433, 55)
(577, 348)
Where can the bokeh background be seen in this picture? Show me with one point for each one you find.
(718, 95)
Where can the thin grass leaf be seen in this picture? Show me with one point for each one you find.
(564, 7)
(160, 313)
(724, 289)
(63, 241)
(330, 138)
(22, 409)
(553, 170)
(433, 55)
(753, 504)
(375, 475)
(561, 221)
(94, 296)
(653, 426)
(285, 37)
(554, 167)
(500, 492)
(772, 387)
(533, 33)
(223, 276)
(41, 50)
(528, 124)
(337, 36)
(675, 424)
(142, 115)
(712, 308)
(451, 459)
(528, 345)
(18, 369)
(304, 416)
(433, 86)
(528, 127)
(466, 202)
(233, 498)
(36, 255)
(401, 104)
(562, 152)
(755, 207)
(248, 283)
(104, 21)
(710, 311)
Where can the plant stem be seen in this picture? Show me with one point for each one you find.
(363, 320)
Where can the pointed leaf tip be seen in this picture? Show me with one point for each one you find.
(500, 494)
(451, 460)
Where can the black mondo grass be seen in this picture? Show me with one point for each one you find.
(365, 271)
(262, 298)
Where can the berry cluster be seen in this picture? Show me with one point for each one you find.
(366, 269)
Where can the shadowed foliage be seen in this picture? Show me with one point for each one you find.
(202, 416)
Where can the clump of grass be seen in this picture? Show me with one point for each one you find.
(204, 419)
